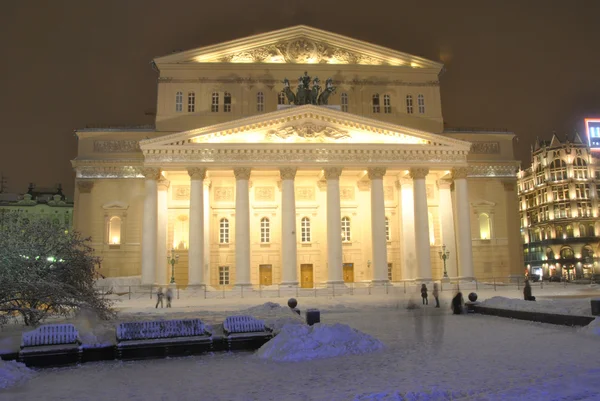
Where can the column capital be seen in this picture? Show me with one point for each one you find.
(242, 173)
(459, 172)
(333, 173)
(85, 187)
(376, 172)
(288, 173)
(151, 173)
(197, 173)
(418, 172)
(443, 183)
(207, 183)
(163, 183)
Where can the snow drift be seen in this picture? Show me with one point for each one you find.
(12, 373)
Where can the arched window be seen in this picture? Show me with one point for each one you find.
(224, 231)
(549, 254)
(591, 231)
(346, 237)
(484, 226)
(305, 230)
(265, 230)
(566, 253)
(191, 102)
(375, 101)
(421, 104)
(214, 106)
(387, 229)
(387, 104)
(570, 231)
(179, 102)
(580, 170)
(227, 102)
(344, 101)
(260, 101)
(409, 104)
(582, 232)
(281, 98)
(114, 230)
(558, 170)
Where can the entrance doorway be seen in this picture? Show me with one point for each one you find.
(266, 274)
(306, 276)
(348, 272)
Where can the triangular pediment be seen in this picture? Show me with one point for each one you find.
(307, 124)
(299, 45)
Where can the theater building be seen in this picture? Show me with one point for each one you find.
(258, 173)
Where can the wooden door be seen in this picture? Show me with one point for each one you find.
(348, 272)
(306, 276)
(266, 274)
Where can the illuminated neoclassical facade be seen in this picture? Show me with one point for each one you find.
(365, 186)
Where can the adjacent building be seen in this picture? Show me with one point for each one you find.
(559, 210)
(258, 173)
(36, 203)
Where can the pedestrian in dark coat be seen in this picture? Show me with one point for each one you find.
(436, 295)
(424, 294)
(169, 297)
(527, 292)
(159, 297)
(457, 304)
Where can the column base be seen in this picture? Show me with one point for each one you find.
(423, 279)
(465, 278)
(380, 282)
(335, 282)
(292, 284)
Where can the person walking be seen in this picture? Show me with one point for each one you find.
(457, 304)
(527, 292)
(424, 294)
(159, 297)
(169, 297)
(436, 295)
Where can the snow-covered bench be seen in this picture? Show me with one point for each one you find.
(245, 332)
(153, 339)
(50, 344)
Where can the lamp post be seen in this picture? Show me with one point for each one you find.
(172, 260)
(444, 254)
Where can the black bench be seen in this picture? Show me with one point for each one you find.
(158, 339)
(245, 333)
(50, 345)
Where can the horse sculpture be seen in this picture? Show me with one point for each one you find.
(329, 89)
(307, 95)
(288, 92)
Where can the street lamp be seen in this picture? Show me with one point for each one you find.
(444, 254)
(172, 260)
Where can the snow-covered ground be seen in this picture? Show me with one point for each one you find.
(427, 354)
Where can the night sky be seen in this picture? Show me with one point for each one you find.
(531, 67)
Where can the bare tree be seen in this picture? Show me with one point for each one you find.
(46, 269)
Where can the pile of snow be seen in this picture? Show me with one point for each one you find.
(592, 328)
(274, 315)
(12, 373)
(579, 307)
(296, 342)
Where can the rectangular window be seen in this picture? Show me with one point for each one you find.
(214, 107)
(387, 104)
(409, 104)
(224, 231)
(227, 102)
(191, 102)
(344, 98)
(281, 98)
(421, 104)
(390, 271)
(179, 102)
(223, 275)
(265, 231)
(305, 230)
(260, 102)
(376, 107)
(387, 229)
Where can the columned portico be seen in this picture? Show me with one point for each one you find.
(196, 230)
(242, 226)
(288, 227)
(162, 276)
(421, 224)
(447, 217)
(149, 226)
(334, 218)
(378, 238)
(463, 222)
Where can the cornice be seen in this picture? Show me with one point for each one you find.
(277, 82)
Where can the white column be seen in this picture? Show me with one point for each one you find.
(207, 232)
(409, 259)
(421, 224)
(196, 252)
(288, 227)
(447, 215)
(334, 226)
(149, 226)
(463, 223)
(163, 269)
(380, 270)
(242, 226)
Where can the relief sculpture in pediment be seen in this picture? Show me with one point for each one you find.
(307, 133)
